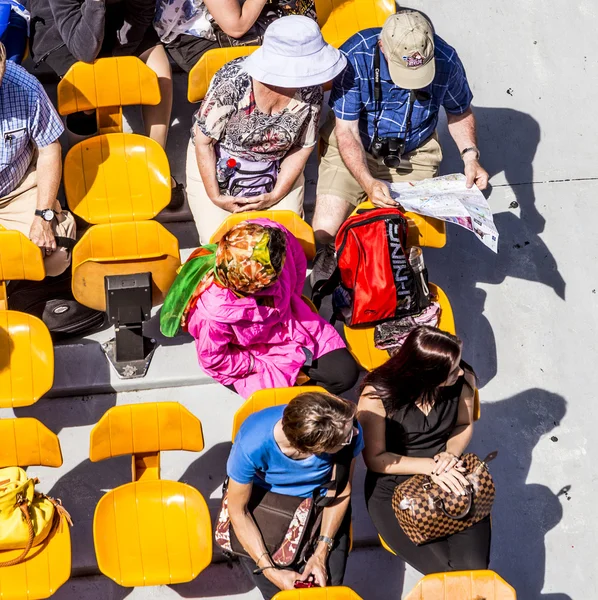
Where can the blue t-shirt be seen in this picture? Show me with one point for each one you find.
(256, 458)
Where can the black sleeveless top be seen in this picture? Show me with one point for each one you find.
(409, 432)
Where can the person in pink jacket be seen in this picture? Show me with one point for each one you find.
(251, 326)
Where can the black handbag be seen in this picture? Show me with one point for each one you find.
(288, 525)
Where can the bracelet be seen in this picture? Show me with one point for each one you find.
(327, 540)
(262, 569)
(471, 149)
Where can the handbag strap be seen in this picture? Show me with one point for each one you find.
(19, 559)
(341, 470)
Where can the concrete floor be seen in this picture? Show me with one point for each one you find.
(526, 316)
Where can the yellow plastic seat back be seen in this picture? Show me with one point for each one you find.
(360, 342)
(201, 74)
(152, 533)
(267, 398)
(292, 221)
(122, 249)
(146, 427)
(116, 178)
(107, 85)
(463, 585)
(26, 442)
(20, 259)
(327, 593)
(422, 231)
(26, 359)
(341, 19)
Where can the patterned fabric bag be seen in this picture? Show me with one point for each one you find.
(250, 178)
(289, 525)
(426, 512)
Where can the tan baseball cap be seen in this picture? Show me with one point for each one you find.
(408, 43)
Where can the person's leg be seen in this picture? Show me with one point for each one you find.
(428, 558)
(156, 119)
(15, 37)
(186, 50)
(294, 199)
(336, 371)
(206, 214)
(469, 550)
(264, 585)
(337, 561)
(17, 212)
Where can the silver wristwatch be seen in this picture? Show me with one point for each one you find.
(471, 149)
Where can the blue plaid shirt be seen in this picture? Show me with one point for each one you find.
(352, 95)
(27, 121)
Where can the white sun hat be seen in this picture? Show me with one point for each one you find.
(294, 55)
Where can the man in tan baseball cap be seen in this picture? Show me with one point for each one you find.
(382, 127)
(407, 40)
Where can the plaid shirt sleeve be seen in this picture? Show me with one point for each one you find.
(46, 125)
(345, 98)
(458, 95)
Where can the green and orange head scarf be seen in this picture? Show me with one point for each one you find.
(241, 262)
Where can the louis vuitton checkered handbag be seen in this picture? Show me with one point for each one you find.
(426, 512)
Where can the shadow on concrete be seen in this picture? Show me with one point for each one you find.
(523, 512)
(77, 411)
(508, 140)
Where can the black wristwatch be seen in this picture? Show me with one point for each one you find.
(47, 214)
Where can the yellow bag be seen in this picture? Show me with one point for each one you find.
(27, 517)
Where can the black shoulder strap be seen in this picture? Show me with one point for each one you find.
(325, 288)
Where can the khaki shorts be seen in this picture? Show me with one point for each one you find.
(17, 211)
(335, 179)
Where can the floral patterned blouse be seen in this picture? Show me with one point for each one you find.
(229, 114)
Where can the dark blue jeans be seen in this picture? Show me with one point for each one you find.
(13, 33)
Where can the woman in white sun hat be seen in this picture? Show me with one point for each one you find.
(258, 124)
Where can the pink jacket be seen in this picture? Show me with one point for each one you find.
(255, 347)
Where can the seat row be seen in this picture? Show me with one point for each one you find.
(153, 531)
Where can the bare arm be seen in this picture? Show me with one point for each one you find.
(49, 170)
(463, 130)
(371, 415)
(353, 154)
(234, 18)
(205, 154)
(332, 517)
(250, 537)
(463, 431)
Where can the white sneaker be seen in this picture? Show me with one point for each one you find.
(324, 264)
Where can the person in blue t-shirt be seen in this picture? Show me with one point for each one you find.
(290, 450)
(382, 126)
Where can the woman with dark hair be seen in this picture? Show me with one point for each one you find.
(252, 328)
(291, 450)
(416, 411)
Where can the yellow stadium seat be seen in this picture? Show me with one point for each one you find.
(202, 72)
(117, 177)
(267, 398)
(26, 442)
(422, 231)
(341, 19)
(463, 585)
(26, 359)
(107, 85)
(150, 531)
(119, 249)
(360, 342)
(327, 593)
(292, 221)
(20, 259)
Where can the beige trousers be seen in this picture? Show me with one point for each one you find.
(208, 216)
(17, 211)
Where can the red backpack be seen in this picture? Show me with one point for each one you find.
(374, 281)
